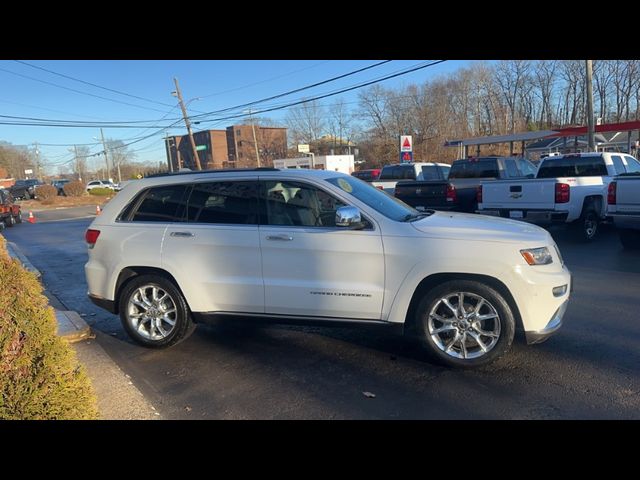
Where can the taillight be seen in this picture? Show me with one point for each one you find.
(611, 195)
(91, 237)
(452, 196)
(379, 187)
(479, 194)
(562, 192)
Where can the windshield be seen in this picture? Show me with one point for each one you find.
(381, 202)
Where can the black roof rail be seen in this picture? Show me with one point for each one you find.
(222, 170)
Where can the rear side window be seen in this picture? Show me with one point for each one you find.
(592, 166)
(161, 204)
(633, 166)
(224, 202)
(618, 165)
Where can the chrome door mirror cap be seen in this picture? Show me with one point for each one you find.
(348, 217)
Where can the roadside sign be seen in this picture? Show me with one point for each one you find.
(406, 143)
(28, 171)
(303, 148)
(199, 148)
(406, 157)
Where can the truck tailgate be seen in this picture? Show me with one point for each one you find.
(519, 194)
(422, 194)
(628, 194)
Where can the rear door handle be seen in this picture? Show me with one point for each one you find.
(181, 234)
(283, 237)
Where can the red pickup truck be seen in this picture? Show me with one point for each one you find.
(10, 213)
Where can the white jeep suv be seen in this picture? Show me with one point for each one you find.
(320, 247)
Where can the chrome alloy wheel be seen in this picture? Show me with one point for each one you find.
(152, 312)
(464, 325)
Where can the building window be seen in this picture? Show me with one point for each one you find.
(238, 132)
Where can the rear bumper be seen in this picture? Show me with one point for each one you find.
(108, 305)
(539, 336)
(540, 217)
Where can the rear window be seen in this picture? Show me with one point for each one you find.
(398, 172)
(431, 172)
(592, 166)
(487, 168)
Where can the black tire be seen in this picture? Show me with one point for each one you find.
(10, 221)
(27, 196)
(585, 228)
(183, 326)
(502, 328)
(18, 218)
(630, 239)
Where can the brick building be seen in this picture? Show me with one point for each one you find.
(230, 148)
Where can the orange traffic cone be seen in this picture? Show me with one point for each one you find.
(31, 218)
(98, 210)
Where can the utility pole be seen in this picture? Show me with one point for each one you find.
(590, 126)
(106, 159)
(75, 149)
(255, 142)
(166, 139)
(188, 124)
(37, 160)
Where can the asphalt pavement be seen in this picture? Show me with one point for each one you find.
(589, 370)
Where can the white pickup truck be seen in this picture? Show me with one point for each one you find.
(392, 174)
(624, 208)
(569, 188)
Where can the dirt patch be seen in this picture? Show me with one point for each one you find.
(63, 202)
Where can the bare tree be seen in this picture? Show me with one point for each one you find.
(511, 77)
(306, 122)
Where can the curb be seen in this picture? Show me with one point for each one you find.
(15, 252)
(71, 327)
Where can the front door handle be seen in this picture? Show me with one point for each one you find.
(181, 234)
(283, 237)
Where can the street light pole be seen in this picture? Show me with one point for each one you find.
(255, 142)
(188, 124)
(591, 128)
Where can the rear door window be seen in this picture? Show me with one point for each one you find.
(633, 166)
(162, 204)
(224, 203)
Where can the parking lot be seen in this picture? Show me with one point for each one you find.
(589, 369)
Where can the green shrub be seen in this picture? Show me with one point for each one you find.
(74, 189)
(101, 191)
(40, 377)
(46, 192)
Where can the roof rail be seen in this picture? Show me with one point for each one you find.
(222, 170)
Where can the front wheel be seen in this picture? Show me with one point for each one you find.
(465, 323)
(154, 313)
(18, 218)
(10, 221)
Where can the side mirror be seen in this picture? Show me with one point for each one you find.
(348, 217)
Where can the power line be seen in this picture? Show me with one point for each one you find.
(263, 81)
(78, 91)
(37, 119)
(290, 92)
(92, 84)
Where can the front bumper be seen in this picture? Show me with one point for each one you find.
(539, 336)
(108, 305)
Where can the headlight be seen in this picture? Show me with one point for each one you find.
(537, 256)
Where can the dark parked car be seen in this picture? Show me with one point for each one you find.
(59, 184)
(368, 175)
(10, 213)
(25, 188)
(459, 191)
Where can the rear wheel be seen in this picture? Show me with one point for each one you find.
(27, 196)
(586, 227)
(10, 221)
(630, 239)
(154, 312)
(465, 323)
(18, 218)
